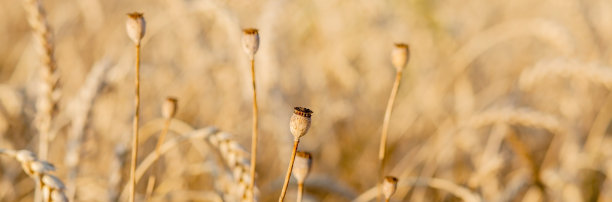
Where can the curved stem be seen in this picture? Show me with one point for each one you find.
(135, 126)
(385, 130)
(288, 176)
(254, 137)
(151, 180)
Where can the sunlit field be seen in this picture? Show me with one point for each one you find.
(459, 100)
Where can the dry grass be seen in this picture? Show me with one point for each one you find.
(501, 100)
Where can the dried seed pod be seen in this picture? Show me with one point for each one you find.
(136, 27)
(300, 122)
(389, 186)
(301, 166)
(250, 41)
(169, 107)
(400, 55)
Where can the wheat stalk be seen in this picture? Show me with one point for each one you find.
(459, 191)
(39, 170)
(592, 72)
(79, 108)
(517, 116)
(47, 94)
(232, 153)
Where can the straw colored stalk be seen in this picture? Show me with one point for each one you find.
(232, 153)
(299, 125)
(136, 27)
(250, 44)
(399, 58)
(168, 111)
(52, 188)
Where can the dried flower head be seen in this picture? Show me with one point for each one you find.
(301, 166)
(250, 41)
(300, 122)
(136, 27)
(389, 186)
(400, 55)
(169, 107)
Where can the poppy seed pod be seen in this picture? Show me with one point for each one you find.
(135, 26)
(400, 55)
(250, 41)
(169, 107)
(301, 166)
(389, 186)
(300, 122)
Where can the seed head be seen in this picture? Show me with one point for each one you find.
(400, 55)
(136, 27)
(25, 155)
(301, 166)
(53, 182)
(169, 107)
(389, 186)
(300, 122)
(41, 167)
(58, 196)
(250, 41)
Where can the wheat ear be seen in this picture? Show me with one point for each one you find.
(46, 100)
(232, 153)
(53, 189)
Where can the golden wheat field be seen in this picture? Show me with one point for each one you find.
(499, 100)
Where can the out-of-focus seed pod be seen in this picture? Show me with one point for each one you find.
(169, 107)
(301, 166)
(400, 56)
(136, 27)
(389, 186)
(250, 41)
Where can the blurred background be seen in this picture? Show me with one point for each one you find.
(501, 100)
